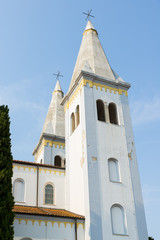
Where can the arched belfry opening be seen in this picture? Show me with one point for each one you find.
(100, 110)
(113, 113)
(72, 123)
(57, 161)
(77, 116)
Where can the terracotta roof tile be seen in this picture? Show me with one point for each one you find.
(46, 212)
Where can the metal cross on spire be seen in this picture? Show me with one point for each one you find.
(88, 14)
(57, 75)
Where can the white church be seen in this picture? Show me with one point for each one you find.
(84, 183)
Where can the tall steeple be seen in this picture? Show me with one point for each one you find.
(92, 56)
(53, 128)
(102, 179)
(54, 123)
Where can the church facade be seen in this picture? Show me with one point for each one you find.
(84, 183)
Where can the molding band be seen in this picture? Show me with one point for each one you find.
(48, 221)
(91, 85)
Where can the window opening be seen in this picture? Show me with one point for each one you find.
(48, 194)
(100, 110)
(72, 122)
(18, 190)
(113, 113)
(113, 170)
(77, 116)
(57, 161)
(118, 220)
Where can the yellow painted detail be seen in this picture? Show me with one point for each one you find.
(68, 104)
(56, 91)
(56, 172)
(97, 86)
(45, 170)
(51, 143)
(90, 30)
(33, 221)
(24, 168)
(80, 224)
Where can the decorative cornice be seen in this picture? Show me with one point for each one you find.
(51, 143)
(52, 137)
(97, 85)
(24, 168)
(41, 169)
(48, 221)
(35, 164)
(98, 82)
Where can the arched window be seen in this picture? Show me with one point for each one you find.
(18, 190)
(118, 220)
(48, 194)
(57, 161)
(113, 113)
(77, 116)
(113, 170)
(100, 110)
(72, 122)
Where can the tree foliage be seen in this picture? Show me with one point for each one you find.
(6, 198)
(150, 238)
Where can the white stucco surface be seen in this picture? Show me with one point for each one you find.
(47, 228)
(28, 173)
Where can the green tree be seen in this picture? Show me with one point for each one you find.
(6, 198)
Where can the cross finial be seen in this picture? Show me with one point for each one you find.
(88, 14)
(57, 75)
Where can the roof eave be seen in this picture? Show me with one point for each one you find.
(47, 135)
(93, 76)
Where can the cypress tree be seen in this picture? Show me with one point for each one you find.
(6, 198)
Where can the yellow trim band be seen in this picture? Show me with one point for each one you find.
(47, 221)
(98, 86)
(59, 144)
(41, 169)
(90, 30)
(24, 168)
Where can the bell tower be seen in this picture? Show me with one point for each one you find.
(102, 177)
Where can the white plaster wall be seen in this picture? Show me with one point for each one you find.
(104, 141)
(46, 175)
(49, 228)
(51, 152)
(74, 170)
(113, 145)
(57, 151)
(57, 179)
(47, 154)
(29, 177)
(40, 156)
(136, 186)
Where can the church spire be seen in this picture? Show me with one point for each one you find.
(54, 123)
(57, 87)
(92, 54)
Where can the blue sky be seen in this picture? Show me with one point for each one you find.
(40, 37)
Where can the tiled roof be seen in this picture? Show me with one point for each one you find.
(36, 164)
(46, 212)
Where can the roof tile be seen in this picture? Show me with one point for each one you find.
(46, 212)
